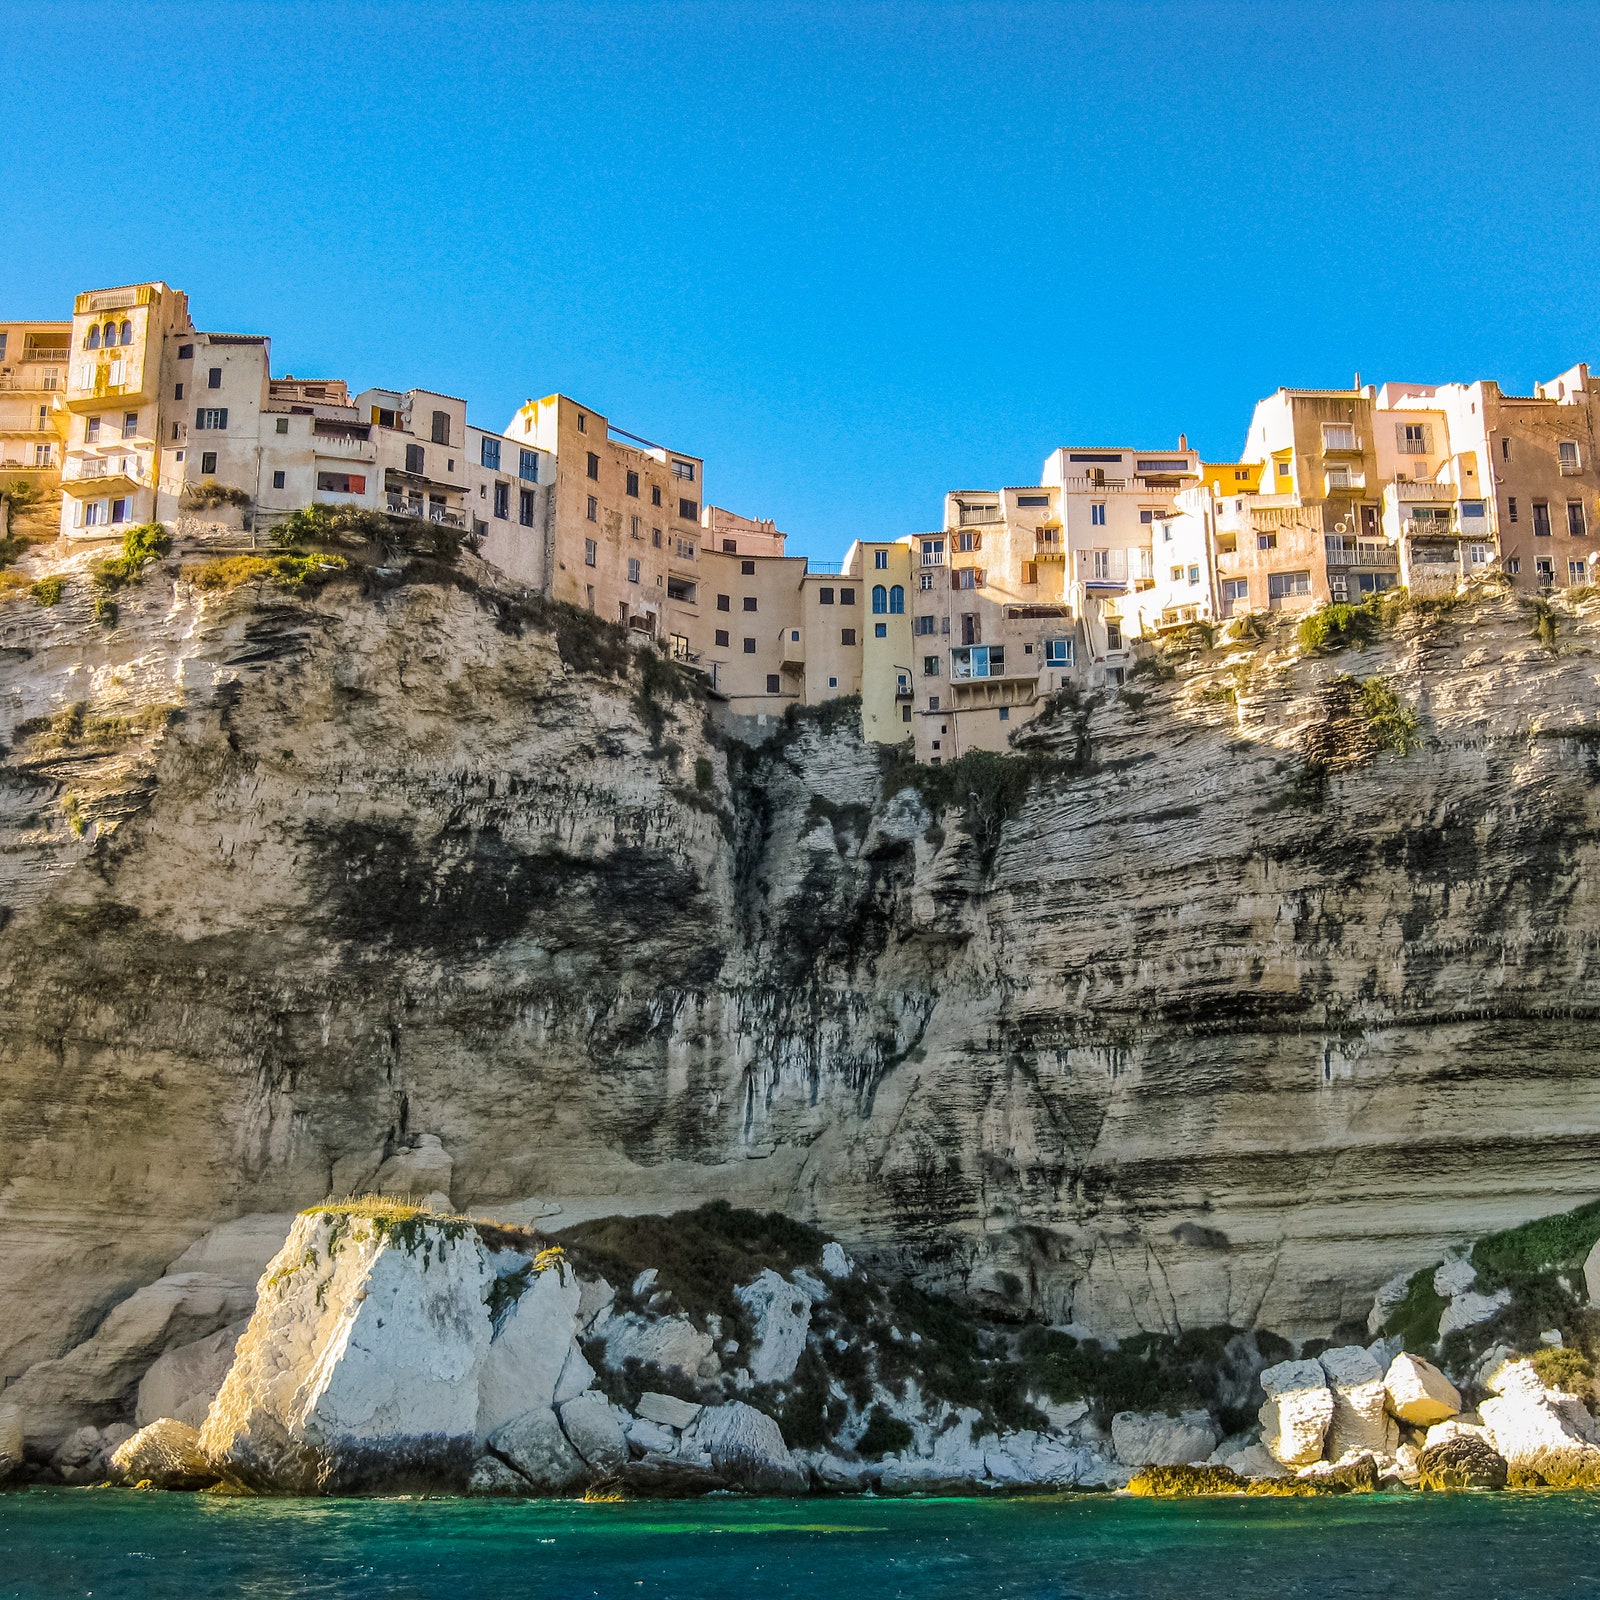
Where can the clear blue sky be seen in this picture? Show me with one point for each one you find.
(853, 255)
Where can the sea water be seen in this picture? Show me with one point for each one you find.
(122, 1545)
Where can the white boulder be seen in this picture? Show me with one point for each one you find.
(530, 1342)
(1419, 1393)
(780, 1313)
(1152, 1439)
(1469, 1309)
(536, 1446)
(1591, 1274)
(166, 1455)
(1298, 1411)
(1349, 1364)
(491, 1476)
(1254, 1461)
(1389, 1295)
(1360, 1420)
(667, 1409)
(1454, 1428)
(1540, 1434)
(835, 1263)
(1453, 1278)
(671, 1341)
(654, 1438)
(747, 1448)
(595, 1428)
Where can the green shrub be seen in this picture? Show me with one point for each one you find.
(208, 493)
(1544, 623)
(331, 524)
(1392, 725)
(886, 1435)
(48, 591)
(1248, 629)
(989, 788)
(140, 546)
(1562, 1367)
(1416, 1319)
(705, 776)
(283, 571)
(1546, 1243)
(1153, 666)
(1332, 628)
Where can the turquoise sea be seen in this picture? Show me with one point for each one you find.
(118, 1545)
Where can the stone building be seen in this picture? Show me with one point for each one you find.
(33, 367)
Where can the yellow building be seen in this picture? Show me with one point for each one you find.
(33, 366)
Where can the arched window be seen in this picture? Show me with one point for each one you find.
(880, 600)
(109, 337)
(91, 340)
(127, 333)
(897, 601)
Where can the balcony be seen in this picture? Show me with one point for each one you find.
(1345, 483)
(42, 352)
(398, 507)
(1334, 444)
(1408, 491)
(1087, 485)
(93, 485)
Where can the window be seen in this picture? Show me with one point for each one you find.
(1541, 519)
(967, 578)
(1283, 469)
(1574, 571)
(930, 666)
(924, 580)
(342, 482)
(880, 630)
(1097, 514)
(1266, 541)
(594, 465)
(730, 547)
(683, 470)
(633, 485)
(277, 480)
(1412, 438)
(689, 510)
(130, 424)
(880, 600)
(177, 391)
(833, 683)
(847, 597)
(749, 602)
(588, 552)
(1059, 652)
(415, 460)
(583, 423)
(502, 501)
(655, 494)
(964, 543)
(1338, 477)
(1511, 507)
(824, 597)
(91, 340)
(1567, 450)
(1472, 510)
(880, 559)
(978, 661)
(1177, 574)
(772, 683)
(489, 454)
(528, 466)
(847, 636)
(921, 626)
(685, 549)
(933, 552)
(1005, 713)
(208, 462)
(1113, 636)
(127, 333)
(1576, 524)
(747, 569)
(1234, 590)
(897, 601)
(1545, 568)
(1281, 585)
(1338, 436)
(283, 424)
(525, 507)
(93, 512)
(91, 431)
(1514, 565)
(722, 638)
(1033, 499)
(119, 513)
(211, 417)
(633, 529)
(749, 647)
(592, 512)
(1194, 574)
(724, 603)
(633, 569)
(655, 537)
(186, 352)
(214, 378)
(794, 635)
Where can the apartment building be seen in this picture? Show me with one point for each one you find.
(33, 367)
(743, 628)
(626, 519)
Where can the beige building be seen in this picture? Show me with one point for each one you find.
(33, 369)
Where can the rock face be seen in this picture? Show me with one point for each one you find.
(181, 1384)
(1146, 1439)
(166, 1455)
(414, 854)
(747, 1448)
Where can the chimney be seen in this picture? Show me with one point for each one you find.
(1183, 441)
(1357, 383)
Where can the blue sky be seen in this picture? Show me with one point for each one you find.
(853, 255)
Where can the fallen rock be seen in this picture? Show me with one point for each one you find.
(1467, 1310)
(1419, 1392)
(1361, 1421)
(532, 1315)
(1151, 1438)
(595, 1428)
(671, 1341)
(491, 1476)
(1461, 1462)
(1356, 1472)
(1454, 1278)
(780, 1314)
(164, 1455)
(1299, 1409)
(667, 1409)
(651, 1438)
(182, 1383)
(747, 1448)
(1541, 1439)
(536, 1446)
(1387, 1298)
(835, 1263)
(1349, 1365)
(1185, 1482)
(1254, 1461)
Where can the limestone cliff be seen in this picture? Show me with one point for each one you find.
(1232, 1014)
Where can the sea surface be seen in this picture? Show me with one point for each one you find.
(121, 1545)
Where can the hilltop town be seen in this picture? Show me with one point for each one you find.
(954, 637)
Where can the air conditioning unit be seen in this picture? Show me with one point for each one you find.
(1339, 588)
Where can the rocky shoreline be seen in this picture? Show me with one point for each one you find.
(394, 1347)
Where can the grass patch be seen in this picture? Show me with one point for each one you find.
(659, 684)
(1416, 1319)
(1543, 1245)
(1153, 666)
(208, 494)
(1393, 726)
(700, 1256)
(1563, 1367)
(1337, 627)
(13, 585)
(75, 726)
(282, 571)
(107, 577)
